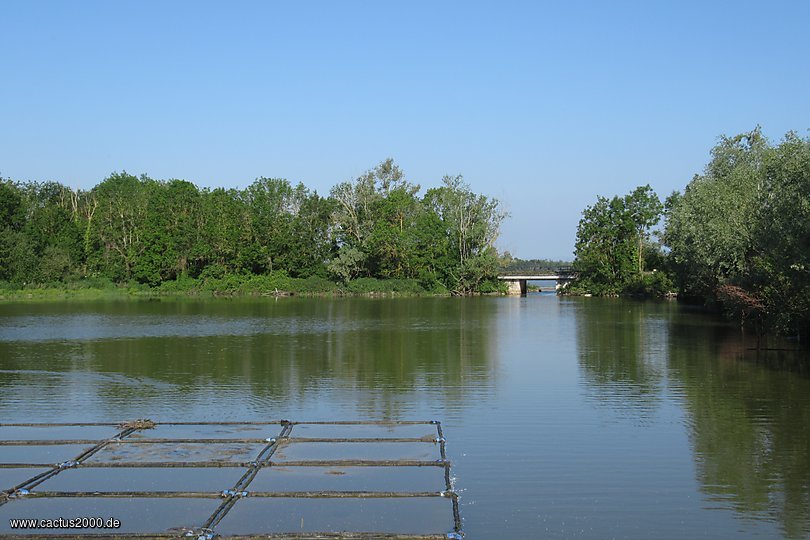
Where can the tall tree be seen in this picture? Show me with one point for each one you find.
(741, 227)
(224, 231)
(472, 224)
(611, 240)
(370, 220)
(645, 210)
(120, 223)
(709, 229)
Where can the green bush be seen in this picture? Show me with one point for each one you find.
(181, 284)
(226, 284)
(374, 285)
(655, 284)
(407, 286)
(364, 286)
(314, 284)
(491, 286)
(213, 271)
(92, 282)
(268, 283)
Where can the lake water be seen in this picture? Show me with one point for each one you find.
(565, 417)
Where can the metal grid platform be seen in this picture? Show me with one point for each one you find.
(228, 479)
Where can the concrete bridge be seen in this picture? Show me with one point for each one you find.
(517, 281)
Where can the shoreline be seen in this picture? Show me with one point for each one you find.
(45, 294)
(36, 295)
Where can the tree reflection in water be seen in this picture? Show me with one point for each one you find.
(228, 357)
(748, 411)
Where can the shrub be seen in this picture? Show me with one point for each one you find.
(314, 284)
(655, 284)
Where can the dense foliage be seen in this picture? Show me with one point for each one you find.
(613, 243)
(738, 237)
(138, 230)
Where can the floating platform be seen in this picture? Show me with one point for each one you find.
(208, 480)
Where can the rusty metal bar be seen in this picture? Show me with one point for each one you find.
(264, 536)
(218, 464)
(219, 494)
(231, 423)
(59, 442)
(361, 463)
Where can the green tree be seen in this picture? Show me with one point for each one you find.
(645, 210)
(223, 237)
(605, 247)
(392, 241)
(347, 264)
(172, 225)
(471, 225)
(130, 228)
(13, 244)
(373, 215)
(309, 244)
(710, 227)
(53, 231)
(739, 234)
(782, 238)
(611, 240)
(119, 224)
(12, 211)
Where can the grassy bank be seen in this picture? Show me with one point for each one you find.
(277, 283)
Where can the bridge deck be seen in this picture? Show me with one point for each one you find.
(537, 277)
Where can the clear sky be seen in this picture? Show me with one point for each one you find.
(543, 105)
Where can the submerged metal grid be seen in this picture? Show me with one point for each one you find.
(134, 434)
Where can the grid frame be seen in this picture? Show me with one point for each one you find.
(128, 434)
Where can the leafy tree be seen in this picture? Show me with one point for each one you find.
(353, 215)
(645, 211)
(12, 211)
(471, 225)
(347, 264)
(611, 240)
(782, 239)
(392, 241)
(710, 227)
(171, 232)
(119, 224)
(153, 232)
(605, 247)
(374, 215)
(740, 231)
(52, 230)
(309, 244)
(12, 241)
(223, 216)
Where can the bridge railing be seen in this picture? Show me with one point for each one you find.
(560, 270)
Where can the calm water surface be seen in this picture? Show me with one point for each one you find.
(565, 417)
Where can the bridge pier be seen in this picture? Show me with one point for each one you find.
(516, 286)
(517, 282)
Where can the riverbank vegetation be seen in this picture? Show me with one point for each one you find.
(613, 251)
(277, 283)
(737, 238)
(377, 233)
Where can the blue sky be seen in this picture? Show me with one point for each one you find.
(542, 105)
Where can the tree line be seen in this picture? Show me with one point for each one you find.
(737, 237)
(135, 229)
